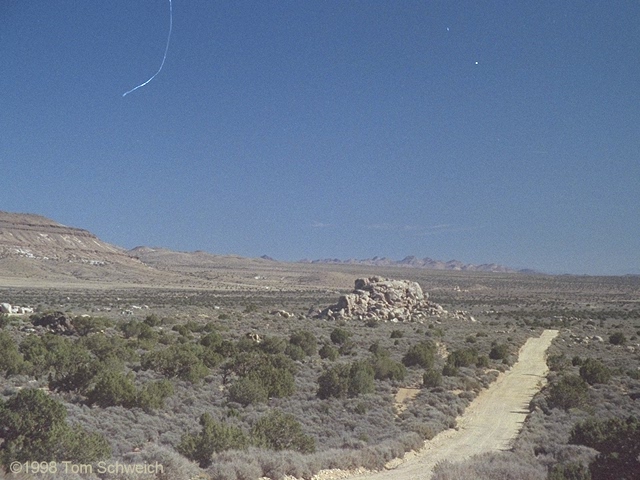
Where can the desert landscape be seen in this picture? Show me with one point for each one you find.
(223, 367)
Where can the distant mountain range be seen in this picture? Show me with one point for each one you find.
(428, 263)
(35, 248)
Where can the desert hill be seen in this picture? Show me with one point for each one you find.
(24, 235)
(414, 262)
(36, 249)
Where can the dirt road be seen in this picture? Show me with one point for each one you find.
(491, 421)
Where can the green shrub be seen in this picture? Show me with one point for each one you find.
(152, 320)
(431, 378)
(334, 382)
(273, 345)
(568, 392)
(361, 378)
(86, 325)
(397, 334)
(557, 363)
(153, 395)
(618, 442)
(327, 351)
(34, 428)
(11, 360)
(482, 361)
(251, 308)
(421, 354)
(347, 348)
(569, 471)
(136, 329)
(248, 390)
(262, 377)
(463, 357)
(617, 338)
(107, 348)
(339, 335)
(183, 361)
(593, 371)
(35, 352)
(346, 380)
(499, 352)
(449, 370)
(213, 438)
(280, 431)
(295, 352)
(305, 340)
(377, 350)
(211, 358)
(68, 364)
(386, 369)
(278, 381)
(182, 330)
(113, 388)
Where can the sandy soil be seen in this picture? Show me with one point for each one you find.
(490, 423)
(404, 397)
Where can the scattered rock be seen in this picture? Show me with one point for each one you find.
(254, 336)
(282, 313)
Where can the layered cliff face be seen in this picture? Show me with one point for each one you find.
(31, 236)
(35, 247)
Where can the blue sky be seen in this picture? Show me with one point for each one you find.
(485, 131)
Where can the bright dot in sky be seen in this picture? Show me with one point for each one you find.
(476, 63)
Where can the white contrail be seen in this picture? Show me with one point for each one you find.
(163, 58)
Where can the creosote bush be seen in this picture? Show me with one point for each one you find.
(214, 437)
(385, 368)
(248, 390)
(280, 431)
(11, 361)
(568, 392)
(421, 354)
(499, 352)
(339, 335)
(114, 388)
(305, 340)
(569, 471)
(431, 378)
(618, 442)
(617, 338)
(463, 357)
(261, 377)
(593, 371)
(328, 352)
(34, 428)
(274, 431)
(346, 379)
(181, 361)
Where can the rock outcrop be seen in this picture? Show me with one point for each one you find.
(378, 298)
(56, 322)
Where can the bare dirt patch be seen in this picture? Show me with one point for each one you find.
(404, 397)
